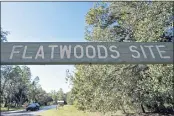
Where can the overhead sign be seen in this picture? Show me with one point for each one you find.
(38, 53)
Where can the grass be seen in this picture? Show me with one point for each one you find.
(3, 109)
(67, 111)
(70, 110)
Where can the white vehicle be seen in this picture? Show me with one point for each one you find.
(33, 106)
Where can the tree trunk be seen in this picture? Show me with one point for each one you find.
(5, 105)
(3, 86)
(142, 107)
(8, 107)
(156, 108)
(20, 102)
(122, 107)
(17, 102)
(8, 103)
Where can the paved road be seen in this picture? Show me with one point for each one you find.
(27, 113)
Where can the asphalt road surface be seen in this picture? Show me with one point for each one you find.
(27, 113)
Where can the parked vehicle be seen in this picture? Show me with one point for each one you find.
(33, 107)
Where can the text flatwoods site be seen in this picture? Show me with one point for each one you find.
(86, 52)
(90, 51)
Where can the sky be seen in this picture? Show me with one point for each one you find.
(46, 22)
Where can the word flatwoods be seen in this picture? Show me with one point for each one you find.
(86, 52)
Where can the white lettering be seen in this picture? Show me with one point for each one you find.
(138, 54)
(40, 53)
(150, 49)
(112, 50)
(65, 49)
(52, 50)
(75, 51)
(99, 52)
(160, 52)
(13, 50)
(87, 51)
(24, 54)
(142, 49)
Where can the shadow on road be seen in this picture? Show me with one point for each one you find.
(20, 113)
(27, 113)
(23, 115)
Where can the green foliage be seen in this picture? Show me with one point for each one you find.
(4, 35)
(69, 98)
(139, 88)
(17, 87)
(60, 94)
(54, 96)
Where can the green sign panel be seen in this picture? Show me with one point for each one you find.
(50, 53)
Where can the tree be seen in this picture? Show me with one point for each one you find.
(42, 97)
(34, 89)
(54, 96)
(69, 98)
(60, 94)
(4, 35)
(108, 88)
(17, 87)
(15, 83)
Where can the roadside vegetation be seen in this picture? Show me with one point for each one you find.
(18, 89)
(130, 88)
(67, 110)
(3, 109)
(70, 110)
